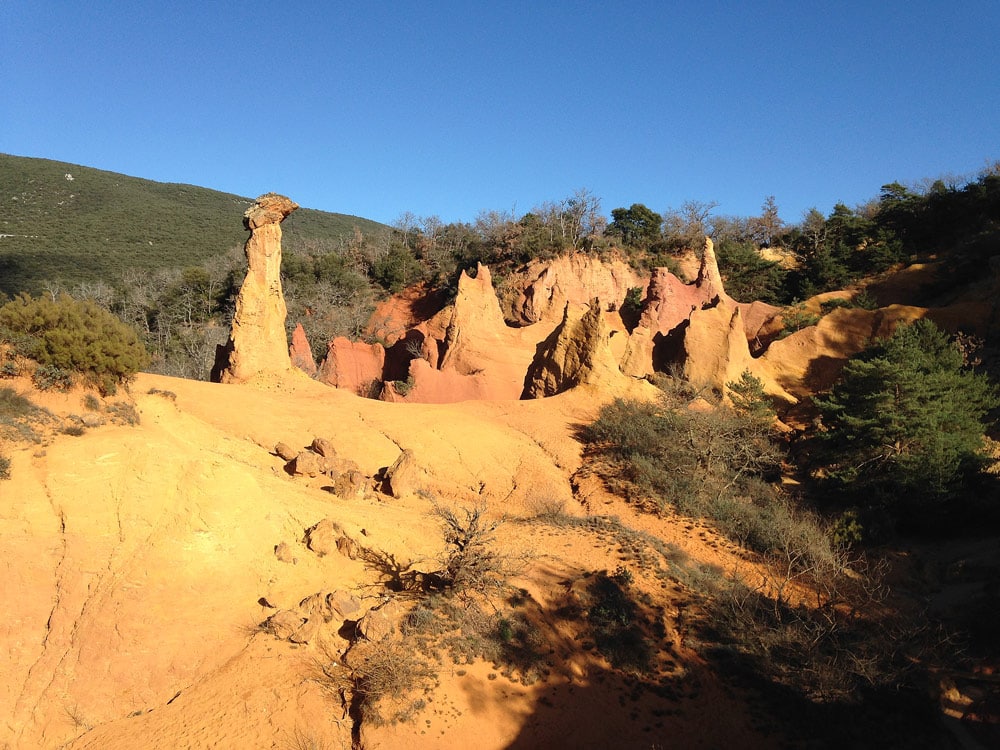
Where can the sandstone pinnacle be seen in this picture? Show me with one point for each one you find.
(257, 342)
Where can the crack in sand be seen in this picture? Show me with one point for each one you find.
(20, 708)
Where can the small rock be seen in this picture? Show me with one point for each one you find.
(308, 464)
(348, 548)
(350, 484)
(324, 447)
(400, 478)
(284, 624)
(322, 538)
(283, 552)
(380, 623)
(285, 451)
(306, 632)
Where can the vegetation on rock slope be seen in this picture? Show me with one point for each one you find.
(67, 224)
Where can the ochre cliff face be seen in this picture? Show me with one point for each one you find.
(257, 343)
(578, 352)
(544, 287)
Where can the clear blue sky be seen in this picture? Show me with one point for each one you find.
(447, 108)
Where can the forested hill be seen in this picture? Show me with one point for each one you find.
(67, 223)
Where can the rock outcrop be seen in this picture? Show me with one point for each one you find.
(577, 352)
(669, 301)
(544, 288)
(300, 352)
(257, 342)
(482, 358)
(352, 365)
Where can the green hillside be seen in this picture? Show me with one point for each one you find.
(70, 223)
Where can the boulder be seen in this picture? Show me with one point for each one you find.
(305, 623)
(283, 552)
(308, 464)
(405, 476)
(327, 536)
(323, 447)
(284, 624)
(330, 606)
(350, 484)
(382, 623)
(257, 343)
(285, 451)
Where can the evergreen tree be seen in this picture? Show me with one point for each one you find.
(904, 426)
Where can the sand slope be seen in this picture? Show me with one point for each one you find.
(136, 559)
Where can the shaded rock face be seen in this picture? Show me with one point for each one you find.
(257, 342)
(398, 314)
(577, 352)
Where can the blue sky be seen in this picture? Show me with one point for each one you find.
(448, 108)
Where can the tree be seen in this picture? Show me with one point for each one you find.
(688, 227)
(766, 228)
(637, 225)
(904, 425)
(748, 276)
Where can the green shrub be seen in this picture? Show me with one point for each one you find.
(862, 300)
(74, 336)
(403, 387)
(4, 467)
(50, 377)
(713, 465)
(749, 399)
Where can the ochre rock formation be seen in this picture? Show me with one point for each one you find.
(669, 301)
(395, 316)
(577, 352)
(545, 287)
(810, 360)
(480, 345)
(300, 352)
(352, 365)
(714, 351)
(637, 359)
(257, 343)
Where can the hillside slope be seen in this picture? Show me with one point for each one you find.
(70, 223)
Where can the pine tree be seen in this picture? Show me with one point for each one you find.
(905, 424)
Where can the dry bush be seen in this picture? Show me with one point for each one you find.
(384, 679)
(470, 565)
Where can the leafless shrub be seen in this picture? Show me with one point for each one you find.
(469, 563)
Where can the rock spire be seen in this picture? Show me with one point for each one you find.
(257, 342)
